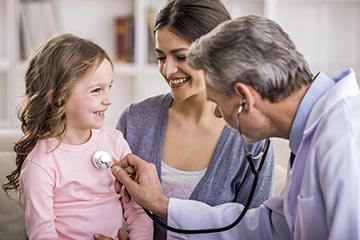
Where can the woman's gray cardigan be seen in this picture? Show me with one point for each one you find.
(228, 177)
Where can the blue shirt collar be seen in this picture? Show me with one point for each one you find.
(320, 85)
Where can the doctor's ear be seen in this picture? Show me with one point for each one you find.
(243, 101)
(244, 93)
(239, 91)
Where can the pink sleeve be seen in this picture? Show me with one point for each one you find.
(139, 225)
(37, 199)
(123, 147)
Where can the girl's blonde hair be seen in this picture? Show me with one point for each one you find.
(53, 70)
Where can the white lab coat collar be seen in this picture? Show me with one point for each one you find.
(321, 84)
(344, 87)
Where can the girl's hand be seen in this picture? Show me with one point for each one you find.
(121, 236)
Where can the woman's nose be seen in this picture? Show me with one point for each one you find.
(169, 68)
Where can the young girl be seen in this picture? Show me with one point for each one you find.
(65, 196)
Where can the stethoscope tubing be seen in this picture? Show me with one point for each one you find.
(256, 173)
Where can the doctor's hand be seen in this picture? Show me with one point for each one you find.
(141, 181)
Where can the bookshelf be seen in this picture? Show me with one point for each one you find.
(321, 30)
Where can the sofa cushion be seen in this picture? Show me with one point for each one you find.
(12, 225)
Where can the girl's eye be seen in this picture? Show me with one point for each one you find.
(97, 90)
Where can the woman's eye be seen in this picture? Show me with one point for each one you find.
(181, 58)
(161, 59)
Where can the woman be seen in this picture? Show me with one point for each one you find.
(196, 154)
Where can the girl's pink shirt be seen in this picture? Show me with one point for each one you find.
(66, 197)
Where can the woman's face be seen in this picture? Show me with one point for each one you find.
(171, 51)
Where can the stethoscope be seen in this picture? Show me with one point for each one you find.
(102, 160)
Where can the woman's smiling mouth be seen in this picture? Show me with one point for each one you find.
(178, 82)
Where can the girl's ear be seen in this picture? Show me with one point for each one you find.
(50, 97)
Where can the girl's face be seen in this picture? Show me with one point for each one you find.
(171, 53)
(90, 98)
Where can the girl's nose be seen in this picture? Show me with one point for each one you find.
(107, 100)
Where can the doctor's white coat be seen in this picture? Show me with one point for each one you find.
(321, 198)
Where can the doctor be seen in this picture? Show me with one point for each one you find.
(264, 88)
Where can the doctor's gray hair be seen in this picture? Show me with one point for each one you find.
(252, 50)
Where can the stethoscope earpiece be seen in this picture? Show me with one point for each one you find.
(242, 105)
(102, 160)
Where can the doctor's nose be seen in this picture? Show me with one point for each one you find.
(169, 68)
(217, 112)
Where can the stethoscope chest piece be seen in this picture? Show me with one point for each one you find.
(102, 160)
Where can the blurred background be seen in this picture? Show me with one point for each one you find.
(327, 32)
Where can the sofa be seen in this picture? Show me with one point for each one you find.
(12, 225)
(12, 215)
